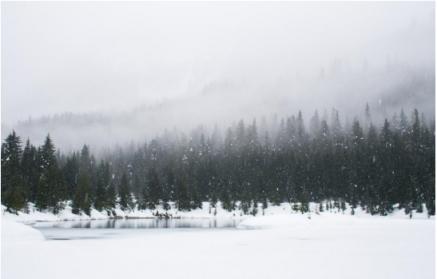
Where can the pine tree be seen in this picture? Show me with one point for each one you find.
(71, 174)
(315, 125)
(182, 197)
(51, 185)
(103, 180)
(367, 118)
(386, 184)
(13, 188)
(82, 201)
(29, 167)
(111, 196)
(125, 200)
(154, 189)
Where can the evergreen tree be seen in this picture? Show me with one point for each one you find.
(103, 181)
(182, 198)
(29, 167)
(154, 189)
(13, 188)
(82, 201)
(51, 187)
(71, 174)
(111, 196)
(125, 200)
(82, 198)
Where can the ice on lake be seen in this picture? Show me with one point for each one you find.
(94, 229)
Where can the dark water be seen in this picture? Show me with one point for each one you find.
(95, 229)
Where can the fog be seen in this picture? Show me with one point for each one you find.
(108, 73)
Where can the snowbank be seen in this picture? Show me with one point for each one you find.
(260, 220)
(16, 232)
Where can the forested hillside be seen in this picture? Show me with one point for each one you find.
(249, 165)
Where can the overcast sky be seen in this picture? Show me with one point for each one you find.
(106, 56)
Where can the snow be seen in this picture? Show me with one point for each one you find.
(13, 232)
(279, 244)
(38, 216)
(205, 212)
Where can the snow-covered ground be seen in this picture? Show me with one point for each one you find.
(278, 244)
(33, 215)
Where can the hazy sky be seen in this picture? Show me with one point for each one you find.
(106, 56)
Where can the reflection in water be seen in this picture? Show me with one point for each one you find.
(140, 224)
(95, 229)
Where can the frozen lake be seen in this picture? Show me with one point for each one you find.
(282, 246)
(94, 229)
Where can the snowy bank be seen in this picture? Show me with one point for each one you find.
(16, 232)
(282, 214)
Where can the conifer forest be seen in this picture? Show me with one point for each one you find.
(248, 165)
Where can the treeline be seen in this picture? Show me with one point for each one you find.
(360, 163)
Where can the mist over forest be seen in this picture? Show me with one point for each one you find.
(145, 68)
(219, 105)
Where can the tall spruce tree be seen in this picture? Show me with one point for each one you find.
(51, 187)
(102, 181)
(125, 200)
(82, 197)
(30, 170)
(13, 185)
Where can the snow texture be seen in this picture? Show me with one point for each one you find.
(277, 245)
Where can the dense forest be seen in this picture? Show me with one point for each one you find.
(374, 166)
